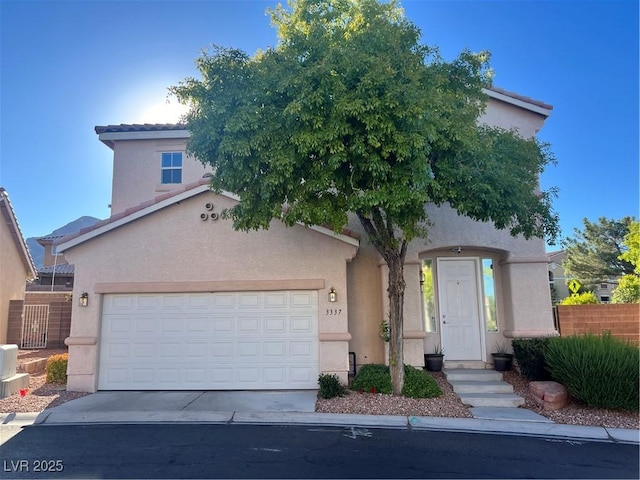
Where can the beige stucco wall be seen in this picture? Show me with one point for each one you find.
(523, 299)
(137, 170)
(508, 116)
(13, 276)
(174, 246)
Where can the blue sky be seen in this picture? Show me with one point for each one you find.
(67, 66)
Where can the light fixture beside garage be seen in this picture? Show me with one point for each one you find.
(333, 296)
(84, 299)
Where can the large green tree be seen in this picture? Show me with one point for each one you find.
(349, 113)
(596, 253)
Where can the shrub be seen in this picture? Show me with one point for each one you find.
(601, 371)
(372, 378)
(529, 354)
(377, 379)
(56, 368)
(586, 298)
(627, 291)
(330, 386)
(419, 384)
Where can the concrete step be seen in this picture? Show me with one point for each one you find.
(465, 374)
(492, 399)
(461, 387)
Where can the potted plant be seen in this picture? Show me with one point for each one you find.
(502, 359)
(433, 361)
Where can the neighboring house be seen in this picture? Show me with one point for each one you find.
(558, 280)
(16, 264)
(55, 271)
(176, 299)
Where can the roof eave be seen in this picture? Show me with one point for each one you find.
(16, 233)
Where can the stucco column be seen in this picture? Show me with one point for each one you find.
(527, 298)
(83, 341)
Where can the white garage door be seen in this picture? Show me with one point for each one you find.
(209, 341)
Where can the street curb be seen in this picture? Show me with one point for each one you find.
(442, 424)
(18, 419)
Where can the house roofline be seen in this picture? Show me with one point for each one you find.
(160, 202)
(518, 100)
(108, 134)
(16, 233)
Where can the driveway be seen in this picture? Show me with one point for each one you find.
(185, 404)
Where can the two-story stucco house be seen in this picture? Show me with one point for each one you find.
(16, 264)
(176, 299)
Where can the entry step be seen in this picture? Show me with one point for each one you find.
(492, 399)
(468, 374)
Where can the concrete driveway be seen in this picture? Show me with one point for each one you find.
(184, 404)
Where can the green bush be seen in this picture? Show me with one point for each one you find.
(377, 379)
(372, 378)
(627, 291)
(586, 298)
(419, 384)
(601, 371)
(529, 353)
(330, 386)
(56, 368)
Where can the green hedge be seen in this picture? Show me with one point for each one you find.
(56, 368)
(529, 354)
(374, 378)
(330, 386)
(601, 371)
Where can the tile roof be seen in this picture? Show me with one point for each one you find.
(48, 238)
(139, 127)
(190, 189)
(62, 269)
(6, 210)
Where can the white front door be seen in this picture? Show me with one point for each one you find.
(460, 318)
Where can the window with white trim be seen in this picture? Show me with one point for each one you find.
(171, 169)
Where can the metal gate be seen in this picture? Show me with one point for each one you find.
(35, 322)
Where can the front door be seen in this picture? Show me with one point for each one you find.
(460, 318)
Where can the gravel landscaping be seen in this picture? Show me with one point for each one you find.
(42, 395)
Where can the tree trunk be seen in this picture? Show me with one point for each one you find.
(382, 235)
(396, 322)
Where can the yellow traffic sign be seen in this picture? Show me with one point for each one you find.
(574, 286)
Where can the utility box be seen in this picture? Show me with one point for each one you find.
(10, 381)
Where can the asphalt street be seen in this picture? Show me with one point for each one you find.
(257, 451)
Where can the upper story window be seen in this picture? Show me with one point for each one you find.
(171, 167)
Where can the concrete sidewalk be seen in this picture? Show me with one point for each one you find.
(292, 408)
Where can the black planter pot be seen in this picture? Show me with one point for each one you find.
(502, 361)
(433, 361)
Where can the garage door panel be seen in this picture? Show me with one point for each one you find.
(241, 340)
(301, 324)
(302, 300)
(249, 325)
(222, 325)
(249, 300)
(275, 300)
(275, 325)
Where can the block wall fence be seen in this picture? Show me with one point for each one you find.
(59, 317)
(623, 320)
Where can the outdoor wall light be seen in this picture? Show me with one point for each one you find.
(333, 296)
(84, 299)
